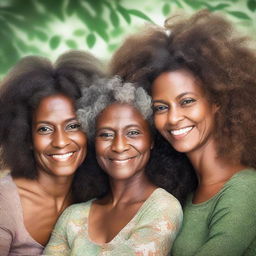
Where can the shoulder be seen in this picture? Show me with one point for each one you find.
(77, 211)
(239, 192)
(164, 203)
(8, 189)
(242, 182)
(9, 204)
(164, 199)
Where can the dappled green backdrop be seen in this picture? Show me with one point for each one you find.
(50, 27)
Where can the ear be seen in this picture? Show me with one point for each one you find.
(152, 145)
(215, 108)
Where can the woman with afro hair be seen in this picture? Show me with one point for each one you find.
(202, 78)
(42, 145)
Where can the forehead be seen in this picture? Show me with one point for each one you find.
(57, 106)
(176, 82)
(120, 115)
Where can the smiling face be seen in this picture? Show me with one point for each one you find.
(182, 112)
(123, 141)
(58, 143)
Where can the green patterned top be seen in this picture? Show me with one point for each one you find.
(150, 232)
(225, 225)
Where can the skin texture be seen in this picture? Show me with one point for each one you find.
(121, 133)
(58, 143)
(180, 102)
(55, 132)
(183, 114)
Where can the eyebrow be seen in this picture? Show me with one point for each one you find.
(178, 97)
(126, 127)
(47, 122)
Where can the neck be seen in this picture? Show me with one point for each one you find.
(211, 168)
(55, 187)
(138, 188)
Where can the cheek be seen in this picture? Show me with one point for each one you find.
(40, 143)
(79, 138)
(143, 145)
(159, 121)
(100, 147)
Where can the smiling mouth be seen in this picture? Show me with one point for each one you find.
(182, 131)
(122, 161)
(62, 157)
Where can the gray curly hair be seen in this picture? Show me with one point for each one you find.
(105, 92)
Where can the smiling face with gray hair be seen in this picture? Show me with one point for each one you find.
(106, 92)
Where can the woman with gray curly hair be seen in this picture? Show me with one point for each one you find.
(134, 216)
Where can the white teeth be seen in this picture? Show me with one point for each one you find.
(182, 131)
(62, 157)
(121, 161)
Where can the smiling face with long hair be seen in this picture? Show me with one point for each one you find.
(59, 144)
(183, 114)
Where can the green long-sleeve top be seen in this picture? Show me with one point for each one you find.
(225, 225)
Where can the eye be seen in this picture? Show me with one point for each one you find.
(187, 101)
(133, 133)
(74, 126)
(159, 108)
(44, 130)
(105, 135)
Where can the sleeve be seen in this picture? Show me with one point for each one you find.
(58, 243)
(233, 222)
(5, 233)
(155, 232)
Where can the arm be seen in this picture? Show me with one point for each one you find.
(58, 244)
(5, 241)
(6, 229)
(232, 224)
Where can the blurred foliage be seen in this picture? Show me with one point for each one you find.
(49, 27)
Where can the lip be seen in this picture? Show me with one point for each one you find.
(61, 157)
(121, 161)
(180, 132)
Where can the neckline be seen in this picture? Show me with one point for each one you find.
(22, 215)
(219, 192)
(127, 225)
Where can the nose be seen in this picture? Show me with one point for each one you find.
(119, 144)
(60, 139)
(175, 115)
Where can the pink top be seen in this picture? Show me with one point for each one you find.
(14, 238)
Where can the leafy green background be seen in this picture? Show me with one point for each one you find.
(50, 27)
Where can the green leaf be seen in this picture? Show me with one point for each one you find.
(116, 32)
(112, 47)
(217, 7)
(114, 18)
(240, 15)
(96, 5)
(100, 28)
(195, 4)
(178, 3)
(139, 14)
(91, 40)
(124, 13)
(53, 7)
(41, 35)
(251, 5)
(166, 9)
(79, 32)
(55, 42)
(71, 7)
(71, 44)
